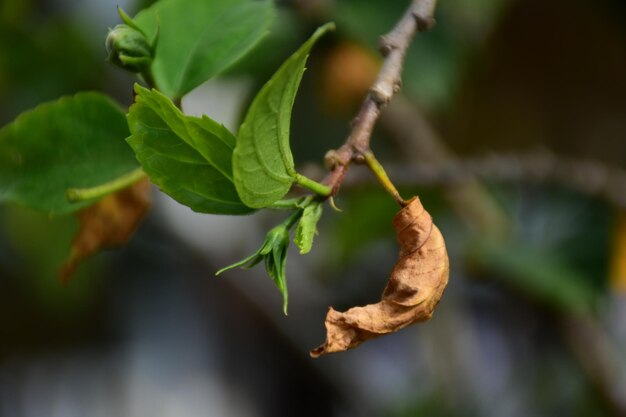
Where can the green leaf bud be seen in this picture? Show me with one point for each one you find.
(128, 48)
(273, 252)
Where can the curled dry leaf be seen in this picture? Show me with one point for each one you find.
(109, 223)
(415, 286)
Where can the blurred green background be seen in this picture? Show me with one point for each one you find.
(511, 128)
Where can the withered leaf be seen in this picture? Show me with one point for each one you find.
(414, 288)
(109, 223)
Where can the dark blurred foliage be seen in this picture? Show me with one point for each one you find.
(41, 58)
(532, 322)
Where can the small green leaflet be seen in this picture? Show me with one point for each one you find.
(275, 265)
(262, 162)
(307, 226)
(74, 142)
(189, 158)
(274, 252)
(198, 39)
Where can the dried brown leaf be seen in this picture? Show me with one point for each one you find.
(109, 223)
(414, 288)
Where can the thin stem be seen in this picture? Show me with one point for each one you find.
(75, 195)
(314, 186)
(292, 219)
(384, 180)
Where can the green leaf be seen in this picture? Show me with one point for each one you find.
(189, 158)
(75, 142)
(198, 39)
(262, 162)
(307, 226)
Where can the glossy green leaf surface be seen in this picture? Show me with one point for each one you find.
(76, 141)
(262, 162)
(197, 39)
(307, 227)
(189, 158)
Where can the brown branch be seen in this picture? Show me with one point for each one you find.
(393, 46)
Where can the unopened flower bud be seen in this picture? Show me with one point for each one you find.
(128, 48)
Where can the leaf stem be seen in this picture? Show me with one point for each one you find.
(314, 186)
(75, 195)
(286, 204)
(383, 178)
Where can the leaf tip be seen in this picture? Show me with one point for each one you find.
(125, 17)
(226, 268)
(139, 89)
(328, 27)
(322, 30)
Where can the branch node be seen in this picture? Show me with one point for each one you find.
(334, 158)
(381, 94)
(358, 158)
(424, 23)
(386, 45)
(423, 13)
